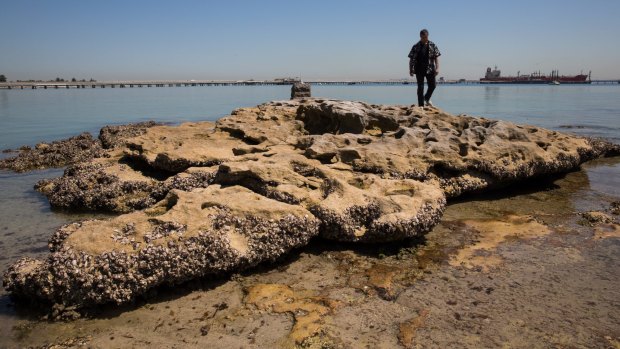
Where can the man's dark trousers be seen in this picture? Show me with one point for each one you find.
(430, 79)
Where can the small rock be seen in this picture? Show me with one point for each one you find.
(204, 330)
(615, 207)
(593, 218)
(300, 90)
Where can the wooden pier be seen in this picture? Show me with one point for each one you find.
(22, 85)
(132, 84)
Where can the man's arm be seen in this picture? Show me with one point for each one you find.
(412, 57)
(436, 55)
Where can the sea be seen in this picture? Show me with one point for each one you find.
(31, 116)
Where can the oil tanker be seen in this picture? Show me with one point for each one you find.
(494, 77)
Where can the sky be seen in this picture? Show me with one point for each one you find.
(337, 39)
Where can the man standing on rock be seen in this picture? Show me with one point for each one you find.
(424, 62)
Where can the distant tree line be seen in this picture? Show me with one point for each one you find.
(74, 80)
(2, 78)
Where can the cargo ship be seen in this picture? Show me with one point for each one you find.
(494, 77)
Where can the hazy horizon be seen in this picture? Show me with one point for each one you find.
(344, 40)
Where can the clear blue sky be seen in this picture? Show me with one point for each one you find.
(338, 39)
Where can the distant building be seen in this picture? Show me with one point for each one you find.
(288, 80)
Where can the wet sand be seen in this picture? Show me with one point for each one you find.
(516, 268)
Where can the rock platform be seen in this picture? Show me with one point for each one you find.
(208, 198)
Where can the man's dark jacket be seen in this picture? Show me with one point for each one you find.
(433, 52)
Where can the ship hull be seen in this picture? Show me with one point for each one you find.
(494, 77)
(531, 82)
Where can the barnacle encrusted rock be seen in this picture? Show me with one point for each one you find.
(223, 196)
(105, 185)
(72, 150)
(185, 236)
(114, 136)
(75, 149)
(461, 153)
(351, 206)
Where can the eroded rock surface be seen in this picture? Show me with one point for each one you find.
(217, 197)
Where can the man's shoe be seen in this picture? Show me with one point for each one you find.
(428, 102)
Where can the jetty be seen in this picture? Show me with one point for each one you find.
(23, 85)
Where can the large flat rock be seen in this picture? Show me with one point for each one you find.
(207, 198)
(463, 153)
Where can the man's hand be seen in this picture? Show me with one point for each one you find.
(411, 73)
(436, 72)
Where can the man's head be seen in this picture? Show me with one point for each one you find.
(424, 35)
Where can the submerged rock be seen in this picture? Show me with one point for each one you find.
(218, 197)
(55, 154)
(72, 150)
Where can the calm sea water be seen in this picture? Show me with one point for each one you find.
(31, 116)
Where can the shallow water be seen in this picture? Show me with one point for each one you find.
(30, 116)
(26, 117)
